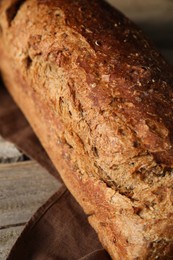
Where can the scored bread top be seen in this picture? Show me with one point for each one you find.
(102, 76)
(122, 79)
(127, 78)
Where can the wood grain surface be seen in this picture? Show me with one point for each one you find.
(7, 238)
(24, 187)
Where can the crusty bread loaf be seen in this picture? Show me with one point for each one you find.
(100, 98)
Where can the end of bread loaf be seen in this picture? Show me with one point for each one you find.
(99, 97)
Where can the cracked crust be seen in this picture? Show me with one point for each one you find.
(91, 87)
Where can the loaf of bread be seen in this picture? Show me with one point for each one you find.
(99, 96)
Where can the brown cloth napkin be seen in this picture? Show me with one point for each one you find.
(59, 229)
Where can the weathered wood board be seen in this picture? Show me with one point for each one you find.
(24, 187)
(7, 238)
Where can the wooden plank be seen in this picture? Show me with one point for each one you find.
(24, 187)
(7, 239)
(8, 152)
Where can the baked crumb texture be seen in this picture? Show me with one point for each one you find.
(99, 97)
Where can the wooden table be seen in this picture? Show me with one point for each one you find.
(24, 185)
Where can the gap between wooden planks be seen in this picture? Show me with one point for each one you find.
(24, 187)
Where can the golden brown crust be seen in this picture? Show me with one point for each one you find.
(131, 70)
(90, 88)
